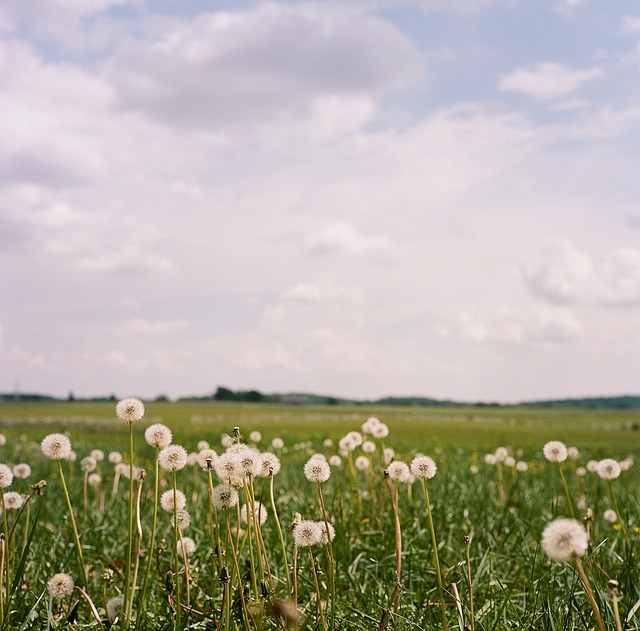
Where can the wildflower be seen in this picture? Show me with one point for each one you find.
(555, 451)
(258, 509)
(325, 537)
(193, 458)
(490, 459)
(60, 585)
(22, 470)
(355, 437)
(269, 464)
(186, 546)
(564, 539)
(97, 455)
(592, 466)
(608, 469)
(317, 470)
(368, 447)
(389, 454)
(369, 425)
(249, 461)
(327, 442)
(610, 515)
(56, 446)
(6, 476)
(423, 467)
(581, 472)
(88, 463)
(182, 518)
(362, 463)
(3, 440)
(573, 453)
(167, 503)
(522, 466)
(501, 453)
(307, 533)
(346, 444)
(228, 469)
(399, 471)
(173, 458)
(13, 500)
(626, 464)
(130, 410)
(510, 462)
(473, 469)
(158, 435)
(277, 443)
(255, 436)
(115, 457)
(202, 445)
(115, 607)
(335, 461)
(94, 480)
(226, 441)
(206, 456)
(380, 431)
(224, 496)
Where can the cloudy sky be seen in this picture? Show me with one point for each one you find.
(357, 198)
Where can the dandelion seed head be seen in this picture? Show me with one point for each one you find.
(224, 496)
(269, 464)
(555, 451)
(115, 457)
(362, 463)
(327, 442)
(490, 459)
(158, 435)
(182, 518)
(335, 461)
(307, 533)
(510, 462)
(186, 546)
(626, 464)
(130, 410)
(424, 467)
(277, 443)
(60, 585)
(255, 436)
(610, 515)
(608, 469)
(72, 456)
(317, 470)
(226, 441)
(573, 453)
(399, 471)
(389, 454)
(22, 470)
(259, 510)
(204, 455)
(592, 466)
(501, 453)
(94, 480)
(6, 476)
(173, 458)
(56, 446)
(368, 447)
(167, 503)
(193, 458)
(522, 466)
(326, 537)
(473, 469)
(3, 440)
(581, 472)
(13, 500)
(356, 437)
(122, 469)
(564, 539)
(202, 445)
(227, 467)
(346, 444)
(369, 424)
(380, 431)
(97, 455)
(88, 463)
(115, 607)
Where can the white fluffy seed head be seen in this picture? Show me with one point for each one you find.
(56, 447)
(555, 451)
(3, 440)
(173, 458)
(610, 515)
(335, 461)
(6, 476)
(423, 467)
(202, 445)
(182, 518)
(608, 469)
(317, 470)
(22, 470)
(186, 546)
(399, 471)
(368, 447)
(130, 410)
(326, 537)
(369, 424)
(269, 464)
(565, 539)
(88, 463)
(60, 585)
(115, 457)
(158, 435)
(94, 480)
(115, 606)
(501, 453)
(13, 500)
(167, 500)
(573, 453)
(255, 436)
(307, 533)
(227, 467)
(490, 459)
(224, 496)
(362, 463)
(522, 466)
(380, 431)
(206, 458)
(97, 455)
(259, 510)
(277, 443)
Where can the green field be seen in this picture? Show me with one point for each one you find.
(352, 585)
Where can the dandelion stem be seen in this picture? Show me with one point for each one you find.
(178, 613)
(592, 600)
(566, 491)
(127, 572)
(329, 548)
(245, 618)
(467, 541)
(138, 544)
(5, 567)
(280, 535)
(319, 607)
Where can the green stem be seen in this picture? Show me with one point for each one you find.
(566, 491)
(329, 548)
(317, 584)
(178, 614)
(127, 572)
(280, 535)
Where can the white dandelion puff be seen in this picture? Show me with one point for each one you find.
(424, 467)
(259, 510)
(130, 410)
(167, 500)
(13, 500)
(206, 458)
(88, 463)
(202, 445)
(56, 446)
(610, 515)
(94, 480)
(277, 443)
(565, 539)
(182, 518)
(307, 533)
(158, 435)
(555, 451)
(115, 457)
(115, 606)
(269, 464)
(362, 463)
(22, 470)
(399, 471)
(60, 585)
(186, 546)
(608, 469)
(173, 458)
(6, 476)
(317, 470)
(224, 496)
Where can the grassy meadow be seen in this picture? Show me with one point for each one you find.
(487, 569)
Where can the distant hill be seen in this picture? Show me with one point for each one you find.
(622, 402)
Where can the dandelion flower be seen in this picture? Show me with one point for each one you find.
(368, 447)
(573, 453)
(510, 462)
(307, 533)
(115, 457)
(317, 470)
(564, 539)
(130, 410)
(362, 463)
(88, 463)
(356, 437)
(206, 458)
(255, 436)
(277, 443)
(370, 424)
(3, 440)
(182, 518)
(501, 453)
(115, 606)
(399, 471)
(423, 467)
(259, 510)
(13, 500)
(522, 466)
(6, 476)
(166, 500)
(592, 466)
(227, 467)
(22, 470)
(224, 496)
(555, 451)
(56, 446)
(158, 435)
(380, 431)
(60, 585)
(97, 455)
(94, 480)
(490, 459)
(335, 460)
(581, 472)
(269, 464)
(186, 546)
(202, 445)
(249, 461)
(610, 515)
(173, 458)
(324, 536)
(608, 469)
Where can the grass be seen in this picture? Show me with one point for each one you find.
(514, 584)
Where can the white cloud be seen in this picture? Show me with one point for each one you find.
(259, 65)
(547, 80)
(341, 237)
(159, 327)
(563, 274)
(631, 23)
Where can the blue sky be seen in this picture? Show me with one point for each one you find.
(356, 198)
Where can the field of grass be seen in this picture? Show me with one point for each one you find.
(381, 569)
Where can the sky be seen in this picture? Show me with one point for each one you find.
(357, 198)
